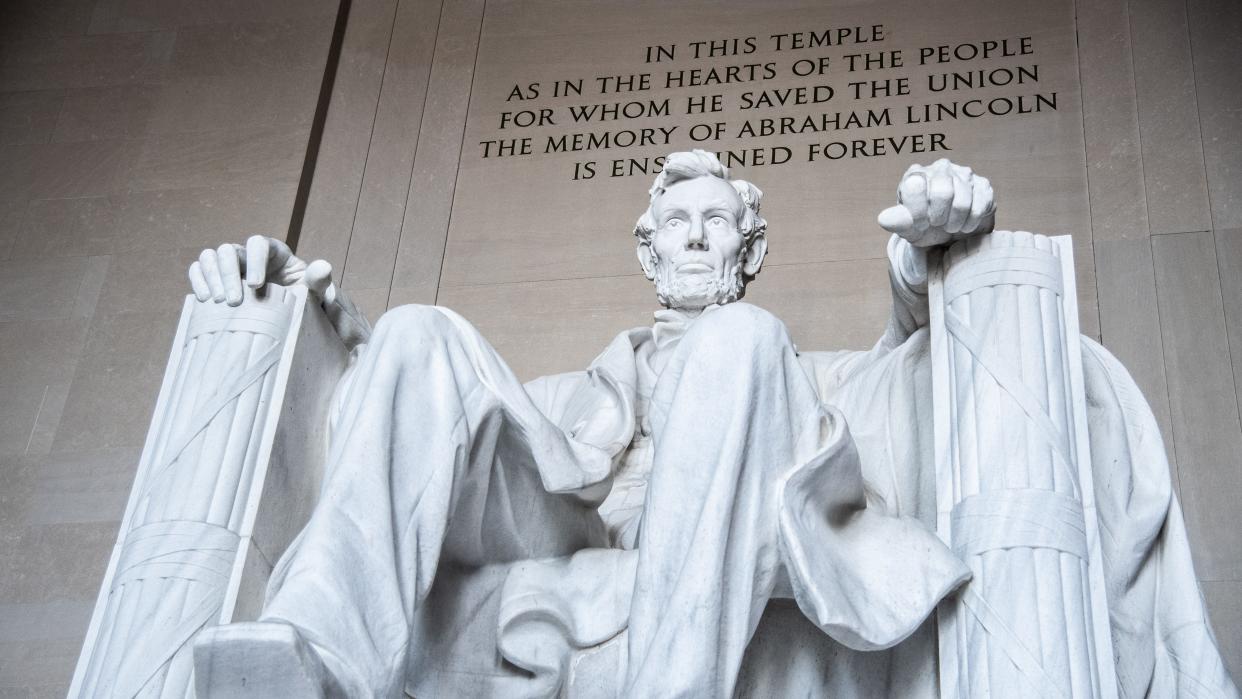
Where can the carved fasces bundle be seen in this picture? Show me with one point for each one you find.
(233, 425)
(1013, 471)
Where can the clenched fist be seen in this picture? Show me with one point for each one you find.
(940, 203)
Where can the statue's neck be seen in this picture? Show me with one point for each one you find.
(672, 323)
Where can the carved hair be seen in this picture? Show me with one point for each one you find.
(699, 163)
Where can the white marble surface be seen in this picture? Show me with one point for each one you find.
(620, 532)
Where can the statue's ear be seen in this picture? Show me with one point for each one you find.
(754, 255)
(646, 258)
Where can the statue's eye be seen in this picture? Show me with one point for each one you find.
(673, 223)
(717, 221)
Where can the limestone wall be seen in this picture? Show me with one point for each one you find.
(132, 134)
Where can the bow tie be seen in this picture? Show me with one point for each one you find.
(672, 323)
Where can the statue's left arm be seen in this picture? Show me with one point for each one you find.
(936, 205)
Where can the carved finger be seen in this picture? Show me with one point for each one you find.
(981, 208)
(199, 283)
(230, 272)
(257, 251)
(279, 255)
(960, 210)
(939, 199)
(282, 265)
(211, 270)
(319, 279)
(987, 221)
(913, 195)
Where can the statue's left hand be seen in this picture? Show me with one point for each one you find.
(219, 274)
(940, 203)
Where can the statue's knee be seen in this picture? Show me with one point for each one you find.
(739, 328)
(410, 326)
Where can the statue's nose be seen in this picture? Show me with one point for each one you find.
(695, 238)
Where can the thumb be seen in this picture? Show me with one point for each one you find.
(350, 325)
(318, 278)
(896, 219)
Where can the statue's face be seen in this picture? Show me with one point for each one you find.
(697, 255)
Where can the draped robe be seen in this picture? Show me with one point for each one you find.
(702, 512)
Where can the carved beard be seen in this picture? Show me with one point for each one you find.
(697, 291)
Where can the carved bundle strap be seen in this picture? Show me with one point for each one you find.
(1022, 517)
(194, 551)
(197, 553)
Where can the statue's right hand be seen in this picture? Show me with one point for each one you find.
(217, 275)
(940, 204)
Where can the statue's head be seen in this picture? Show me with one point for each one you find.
(701, 239)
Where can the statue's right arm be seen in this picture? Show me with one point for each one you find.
(218, 276)
(937, 205)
